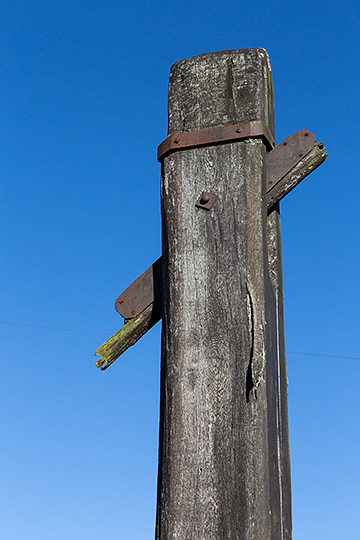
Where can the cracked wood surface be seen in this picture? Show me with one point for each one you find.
(223, 411)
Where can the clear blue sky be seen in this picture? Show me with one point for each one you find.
(83, 107)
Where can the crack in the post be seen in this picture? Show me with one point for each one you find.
(256, 367)
(249, 378)
(230, 100)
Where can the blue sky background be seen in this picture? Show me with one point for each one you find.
(83, 107)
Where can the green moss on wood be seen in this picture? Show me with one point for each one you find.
(127, 336)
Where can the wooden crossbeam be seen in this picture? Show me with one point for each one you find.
(287, 165)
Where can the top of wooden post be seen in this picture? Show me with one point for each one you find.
(214, 89)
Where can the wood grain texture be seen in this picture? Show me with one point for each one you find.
(276, 381)
(220, 468)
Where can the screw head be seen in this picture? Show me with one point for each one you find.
(205, 198)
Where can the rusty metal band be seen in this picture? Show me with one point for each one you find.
(254, 129)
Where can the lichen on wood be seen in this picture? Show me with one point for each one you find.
(127, 336)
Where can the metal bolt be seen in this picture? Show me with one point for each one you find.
(205, 198)
(176, 141)
(121, 301)
(238, 131)
(306, 134)
(285, 143)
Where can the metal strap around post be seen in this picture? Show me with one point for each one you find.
(254, 129)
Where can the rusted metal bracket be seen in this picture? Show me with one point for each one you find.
(281, 161)
(141, 293)
(224, 134)
(206, 200)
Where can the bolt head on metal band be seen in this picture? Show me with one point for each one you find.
(224, 134)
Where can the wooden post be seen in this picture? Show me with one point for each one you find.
(224, 455)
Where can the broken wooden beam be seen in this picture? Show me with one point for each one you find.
(128, 335)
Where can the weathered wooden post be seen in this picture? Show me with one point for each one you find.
(224, 469)
(224, 452)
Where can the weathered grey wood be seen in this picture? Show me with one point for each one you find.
(222, 433)
(128, 335)
(276, 381)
